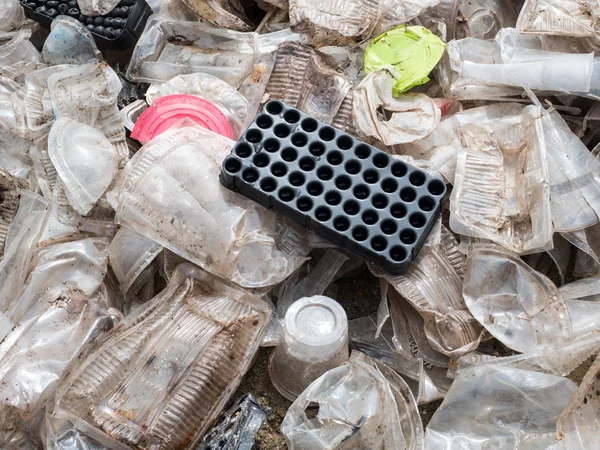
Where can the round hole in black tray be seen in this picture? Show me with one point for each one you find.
(327, 133)
(325, 173)
(286, 194)
(345, 142)
(233, 165)
(351, 207)
(360, 233)
(343, 182)
(408, 236)
(398, 210)
(289, 154)
(271, 145)
(417, 178)
(389, 226)
(370, 217)
(291, 116)
(379, 243)
(362, 151)
(333, 198)
(250, 175)
(408, 194)
(281, 130)
(296, 179)
(417, 220)
(316, 148)
(361, 192)
(306, 163)
(371, 176)
(335, 158)
(304, 204)
(353, 167)
(381, 160)
(314, 188)
(274, 107)
(264, 121)
(379, 201)
(279, 169)
(436, 187)
(389, 185)
(323, 213)
(268, 184)
(426, 204)
(261, 160)
(398, 253)
(299, 139)
(309, 125)
(399, 169)
(243, 150)
(254, 136)
(341, 223)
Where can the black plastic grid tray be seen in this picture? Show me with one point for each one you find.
(135, 21)
(349, 192)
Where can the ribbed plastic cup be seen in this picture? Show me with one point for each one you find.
(315, 339)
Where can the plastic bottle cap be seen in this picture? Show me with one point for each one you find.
(171, 109)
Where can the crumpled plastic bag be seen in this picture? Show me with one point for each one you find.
(362, 404)
(496, 406)
(170, 192)
(18, 56)
(69, 42)
(74, 148)
(229, 101)
(11, 15)
(501, 187)
(392, 120)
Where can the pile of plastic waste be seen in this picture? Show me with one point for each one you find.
(187, 185)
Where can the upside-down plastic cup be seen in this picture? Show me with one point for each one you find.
(172, 109)
(315, 340)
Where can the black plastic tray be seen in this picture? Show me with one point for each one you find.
(132, 30)
(349, 192)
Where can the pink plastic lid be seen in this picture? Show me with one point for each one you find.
(171, 109)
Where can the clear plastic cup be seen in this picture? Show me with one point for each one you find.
(315, 340)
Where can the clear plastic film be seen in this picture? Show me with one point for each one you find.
(69, 42)
(501, 187)
(177, 361)
(202, 221)
(224, 13)
(433, 286)
(11, 15)
(11, 188)
(525, 404)
(385, 415)
(18, 56)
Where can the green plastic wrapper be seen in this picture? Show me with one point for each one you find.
(409, 53)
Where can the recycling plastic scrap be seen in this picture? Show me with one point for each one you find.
(398, 200)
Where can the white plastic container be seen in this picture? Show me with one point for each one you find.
(315, 340)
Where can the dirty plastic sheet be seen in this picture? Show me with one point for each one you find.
(170, 192)
(69, 42)
(349, 22)
(129, 254)
(517, 305)
(223, 13)
(12, 110)
(230, 102)
(309, 80)
(238, 427)
(494, 406)
(73, 148)
(574, 176)
(501, 188)
(18, 56)
(433, 286)
(427, 383)
(9, 204)
(579, 422)
(442, 146)
(576, 18)
(13, 155)
(205, 332)
(392, 120)
(384, 415)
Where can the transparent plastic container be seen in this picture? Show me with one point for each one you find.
(315, 339)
